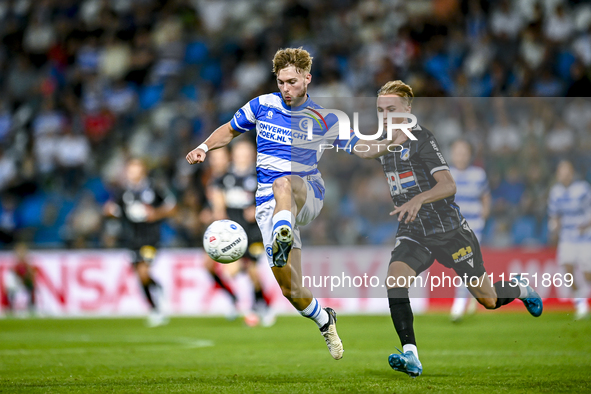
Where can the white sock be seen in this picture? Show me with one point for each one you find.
(412, 348)
(315, 312)
(458, 307)
(581, 305)
(283, 218)
(522, 292)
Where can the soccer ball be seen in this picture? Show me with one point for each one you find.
(225, 241)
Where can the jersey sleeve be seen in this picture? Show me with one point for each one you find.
(346, 144)
(431, 155)
(245, 118)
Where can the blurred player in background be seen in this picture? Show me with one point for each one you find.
(142, 206)
(233, 197)
(569, 211)
(431, 227)
(22, 276)
(473, 198)
(219, 163)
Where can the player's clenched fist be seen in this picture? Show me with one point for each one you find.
(197, 155)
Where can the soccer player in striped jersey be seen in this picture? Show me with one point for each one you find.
(431, 228)
(473, 198)
(290, 190)
(569, 209)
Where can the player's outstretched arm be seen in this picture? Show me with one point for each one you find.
(445, 187)
(218, 139)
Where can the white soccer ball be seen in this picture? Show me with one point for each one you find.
(225, 241)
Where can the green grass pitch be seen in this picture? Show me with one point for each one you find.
(488, 352)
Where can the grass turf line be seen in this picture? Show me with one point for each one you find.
(488, 352)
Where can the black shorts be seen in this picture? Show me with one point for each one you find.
(145, 253)
(458, 249)
(255, 242)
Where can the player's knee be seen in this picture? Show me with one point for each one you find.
(282, 185)
(488, 303)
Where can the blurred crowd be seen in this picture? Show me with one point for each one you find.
(89, 84)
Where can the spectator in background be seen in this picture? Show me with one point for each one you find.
(559, 25)
(83, 225)
(504, 138)
(569, 209)
(8, 218)
(72, 155)
(110, 68)
(580, 85)
(49, 120)
(142, 205)
(473, 198)
(507, 195)
(8, 170)
(561, 139)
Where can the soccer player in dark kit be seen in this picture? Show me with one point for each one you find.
(431, 228)
(142, 205)
(232, 196)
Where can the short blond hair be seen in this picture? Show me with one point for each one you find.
(297, 57)
(398, 88)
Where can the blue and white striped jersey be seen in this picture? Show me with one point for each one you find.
(572, 205)
(283, 147)
(471, 185)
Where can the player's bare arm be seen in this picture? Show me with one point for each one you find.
(554, 227)
(111, 209)
(445, 187)
(486, 200)
(218, 139)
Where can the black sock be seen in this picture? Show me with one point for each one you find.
(148, 295)
(259, 297)
(402, 316)
(221, 284)
(506, 292)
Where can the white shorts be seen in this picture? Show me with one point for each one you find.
(578, 253)
(309, 212)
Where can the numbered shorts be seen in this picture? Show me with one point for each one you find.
(576, 253)
(457, 249)
(310, 210)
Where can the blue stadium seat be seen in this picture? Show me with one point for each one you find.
(97, 188)
(196, 53)
(190, 92)
(544, 232)
(524, 230)
(212, 72)
(150, 96)
(30, 210)
(167, 235)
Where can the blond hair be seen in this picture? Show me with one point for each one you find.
(398, 88)
(297, 57)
